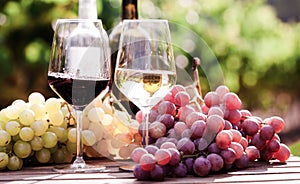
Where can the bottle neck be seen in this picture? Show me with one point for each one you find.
(87, 9)
(129, 9)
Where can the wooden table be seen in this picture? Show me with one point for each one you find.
(257, 173)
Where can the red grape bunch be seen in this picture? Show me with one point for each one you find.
(184, 139)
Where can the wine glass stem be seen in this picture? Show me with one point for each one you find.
(146, 116)
(79, 161)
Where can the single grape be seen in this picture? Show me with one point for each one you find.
(140, 174)
(222, 90)
(151, 149)
(43, 155)
(22, 149)
(166, 107)
(224, 139)
(234, 116)
(198, 129)
(202, 166)
(157, 129)
(50, 139)
(227, 125)
(245, 114)
(189, 163)
(56, 118)
(232, 101)
(179, 170)
(252, 153)
(186, 133)
(36, 98)
(211, 99)
(179, 127)
(61, 133)
(202, 143)
(12, 112)
(186, 146)
(153, 115)
(14, 163)
(213, 148)
(39, 111)
(39, 127)
(167, 120)
(215, 110)
(183, 112)
(177, 88)
(71, 147)
(258, 142)
(36, 143)
(3, 160)
(157, 173)
(88, 138)
(167, 145)
(27, 117)
(283, 153)
(250, 126)
(175, 156)
(242, 162)
(5, 138)
(193, 117)
(163, 156)
(238, 148)
(52, 105)
(169, 97)
(160, 141)
(244, 142)
(181, 99)
(276, 122)
(26, 134)
(216, 161)
(139, 116)
(273, 145)
(72, 135)
(266, 132)
(215, 124)
(137, 154)
(147, 162)
(13, 127)
(236, 135)
(228, 155)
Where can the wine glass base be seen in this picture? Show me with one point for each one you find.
(85, 169)
(129, 168)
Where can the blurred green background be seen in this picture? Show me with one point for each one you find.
(256, 42)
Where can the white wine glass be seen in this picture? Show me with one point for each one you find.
(145, 69)
(79, 70)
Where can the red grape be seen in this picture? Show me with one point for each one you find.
(151, 149)
(215, 110)
(258, 142)
(252, 153)
(250, 126)
(167, 120)
(175, 156)
(266, 132)
(166, 107)
(273, 145)
(215, 123)
(137, 153)
(157, 173)
(238, 148)
(183, 112)
(228, 155)
(167, 145)
(140, 174)
(236, 135)
(222, 90)
(179, 127)
(177, 88)
(216, 161)
(198, 129)
(232, 101)
(283, 153)
(194, 116)
(147, 162)
(242, 162)
(186, 146)
(234, 116)
(180, 170)
(211, 98)
(162, 156)
(157, 129)
(223, 139)
(202, 166)
(276, 122)
(181, 99)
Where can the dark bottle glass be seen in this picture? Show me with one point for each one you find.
(129, 11)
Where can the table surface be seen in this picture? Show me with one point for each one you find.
(257, 172)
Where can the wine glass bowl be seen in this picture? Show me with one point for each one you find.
(145, 69)
(79, 70)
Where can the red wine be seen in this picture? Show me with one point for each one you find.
(77, 92)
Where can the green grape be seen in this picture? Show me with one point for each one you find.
(71, 147)
(3, 116)
(27, 117)
(12, 127)
(36, 98)
(14, 163)
(72, 135)
(58, 156)
(39, 127)
(61, 133)
(5, 138)
(52, 105)
(12, 112)
(3, 160)
(39, 111)
(50, 139)
(95, 114)
(2, 125)
(43, 155)
(22, 149)
(26, 134)
(88, 137)
(21, 104)
(53, 149)
(56, 118)
(36, 143)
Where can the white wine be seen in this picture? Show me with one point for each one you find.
(145, 88)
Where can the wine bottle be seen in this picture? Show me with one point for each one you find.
(129, 11)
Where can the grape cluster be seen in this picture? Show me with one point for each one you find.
(218, 136)
(43, 131)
